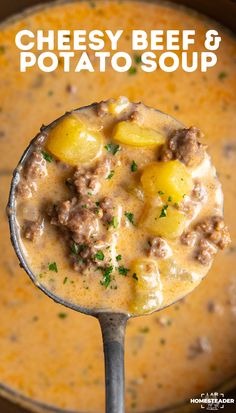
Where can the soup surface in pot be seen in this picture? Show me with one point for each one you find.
(52, 354)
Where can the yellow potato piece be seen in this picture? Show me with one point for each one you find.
(170, 226)
(72, 142)
(130, 133)
(147, 289)
(170, 180)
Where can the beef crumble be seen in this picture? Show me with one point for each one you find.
(158, 247)
(33, 229)
(207, 236)
(34, 169)
(184, 145)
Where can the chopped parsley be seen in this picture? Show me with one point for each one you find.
(47, 156)
(2, 49)
(62, 315)
(169, 199)
(112, 147)
(135, 276)
(161, 193)
(53, 267)
(138, 58)
(74, 248)
(111, 174)
(163, 211)
(118, 258)
(122, 270)
(92, 4)
(97, 203)
(85, 206)
(144, 330)
(130, 217)
(106, 275)
(99, 256)
(114, 222)
(133, 166)
(132, 71)
(222, 75)
(65, 280)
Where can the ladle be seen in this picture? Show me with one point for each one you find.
(112, 324)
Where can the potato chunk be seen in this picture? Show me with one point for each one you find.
(171, 180)
(72, 142)
(164, 221)
(130, 133)
(148, 288)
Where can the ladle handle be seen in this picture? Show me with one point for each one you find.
(113, 331)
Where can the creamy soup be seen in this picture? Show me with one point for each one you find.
(55, 355)
(125, 193)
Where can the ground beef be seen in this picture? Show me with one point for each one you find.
(33, 230)
(215, 230)
(184, 145)
(158, 247)
(207, 236)
(35, 166)
(205, 252)
(34, 169)
(78, 215)
(107, 207)
(189, 238)
(88, 181)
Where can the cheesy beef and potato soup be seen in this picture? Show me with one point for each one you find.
(132, 196)
(54, 355)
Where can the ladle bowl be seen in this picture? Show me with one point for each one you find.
(112, 323)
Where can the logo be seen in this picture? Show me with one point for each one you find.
(212, 401)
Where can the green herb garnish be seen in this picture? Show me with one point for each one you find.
(122, 270)
(74, 248)
(99, 256)
(137, 58)
(118, 258)
(62, 315)
(65, 280)
(133, 166)
(169, 199)
(2, 49)
(144, 330)
(106, 275)
(222, 75)
(161, 193)
(164, 211)
(111, 174)
(132, 71)
(53, 267)
(112, 147)
(47, 156)
(129, 216)
(135, 276)
(114, 222)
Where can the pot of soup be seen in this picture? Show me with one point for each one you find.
(50, 357)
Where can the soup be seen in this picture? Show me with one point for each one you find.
(54, 355)
(124, 192)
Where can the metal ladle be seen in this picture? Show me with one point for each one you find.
(112, 324)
